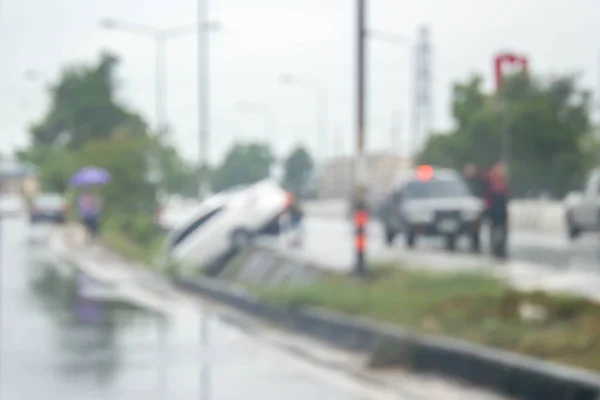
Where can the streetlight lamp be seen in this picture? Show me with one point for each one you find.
(321, 103)
(160, 37)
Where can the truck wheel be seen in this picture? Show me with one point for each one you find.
(410, 238)
(390, 235)
(450, 242)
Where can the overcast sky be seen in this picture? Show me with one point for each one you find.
(261, 39)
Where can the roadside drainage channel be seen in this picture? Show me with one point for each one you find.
(502, 372)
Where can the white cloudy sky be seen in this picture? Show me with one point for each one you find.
(263, 38)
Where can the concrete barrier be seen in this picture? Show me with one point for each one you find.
(499, 371)
(528, 215)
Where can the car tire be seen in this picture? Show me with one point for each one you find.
(450, 242)
(240, 238)
(475, 241)
(390, 235)
(410, 238)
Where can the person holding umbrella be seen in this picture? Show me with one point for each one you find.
(89, 204)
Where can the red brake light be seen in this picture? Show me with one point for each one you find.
(425, 172)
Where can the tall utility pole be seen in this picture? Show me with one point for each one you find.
(160, 38)
(204, 186)
(360, 213)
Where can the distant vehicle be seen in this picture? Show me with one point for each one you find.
(582, 209)
(11, 204)
(48, 207)
(432, 202)
(229, 221)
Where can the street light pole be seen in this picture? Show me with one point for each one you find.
(360, 213)
(204, 185)
(160, 38)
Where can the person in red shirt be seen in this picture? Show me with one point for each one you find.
(492, 187)
(497, 205)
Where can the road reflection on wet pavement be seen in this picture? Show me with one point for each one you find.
(64, 337)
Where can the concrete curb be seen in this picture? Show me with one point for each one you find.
(502, 372)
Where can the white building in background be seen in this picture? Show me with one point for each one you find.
(336, 175)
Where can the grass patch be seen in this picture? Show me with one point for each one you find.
(145, 253)
(465, 305)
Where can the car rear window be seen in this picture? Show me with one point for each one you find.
(184, 233)
(436, 188)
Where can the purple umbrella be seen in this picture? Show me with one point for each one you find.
(90, 176)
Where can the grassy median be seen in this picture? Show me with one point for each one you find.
(468, 306)
(139, 240)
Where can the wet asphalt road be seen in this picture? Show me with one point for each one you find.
(57, 344)
(330, 241)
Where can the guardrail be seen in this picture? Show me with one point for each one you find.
(525, 215)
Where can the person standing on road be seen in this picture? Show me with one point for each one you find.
(498, 193)
(492, 187)
(89, 206)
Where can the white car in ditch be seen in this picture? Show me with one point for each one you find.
(227, 222)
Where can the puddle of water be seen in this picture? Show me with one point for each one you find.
(88, 320)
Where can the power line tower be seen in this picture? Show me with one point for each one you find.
(423, 102)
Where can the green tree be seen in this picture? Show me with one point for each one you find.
(55, 166)
(179, 176)
(125, 159)
(243, 164)
(298, 170)
(84, 106)
(546, 120)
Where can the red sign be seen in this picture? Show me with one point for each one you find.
(508, 59)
